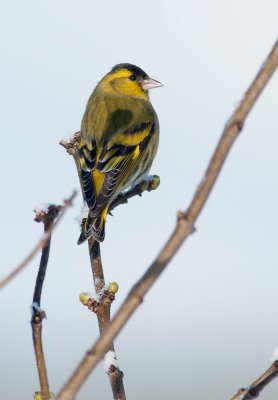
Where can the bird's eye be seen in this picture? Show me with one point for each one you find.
(132, 78)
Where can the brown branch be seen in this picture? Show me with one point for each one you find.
(48, 219)
(184, 227)
(36, 324)
(103, 315)
(38, 315)
(149, 184)
(258, 385)
(40, 244)
(102, 305)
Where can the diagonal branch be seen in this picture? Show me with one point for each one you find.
(184, 227)
(40, 244)
(258, 385)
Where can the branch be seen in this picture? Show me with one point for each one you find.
(258, 385)
(184, 227)
(38, 314)
(102, 311)
(101, 306)
(150, 183)
(40, 244)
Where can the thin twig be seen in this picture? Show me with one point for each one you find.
(151, 183)
(184, 227)
(48, 219)
(258, 385)
(103, 315)
(38, 314)
(39, 245)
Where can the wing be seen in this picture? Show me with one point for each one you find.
(87, 159)
(123, 160)
(92, 128)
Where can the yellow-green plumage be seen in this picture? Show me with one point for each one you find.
(119, 139)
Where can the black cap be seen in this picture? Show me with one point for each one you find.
(130, 67)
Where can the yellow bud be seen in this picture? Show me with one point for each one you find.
(155, 182)
(144, 185)
(113, 287)
(38, 396)
(84, 298)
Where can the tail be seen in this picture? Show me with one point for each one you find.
(86, 227)
(98, 228)
(95, 227)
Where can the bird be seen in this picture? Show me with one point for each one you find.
(118, 141)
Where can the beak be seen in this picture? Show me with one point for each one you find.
(150, 83)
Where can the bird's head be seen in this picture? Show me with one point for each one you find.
(128, 80)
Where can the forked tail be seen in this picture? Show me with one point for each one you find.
(93, 226)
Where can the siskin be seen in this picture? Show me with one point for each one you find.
(119, 139)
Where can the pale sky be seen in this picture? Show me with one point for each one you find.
(209, 325)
